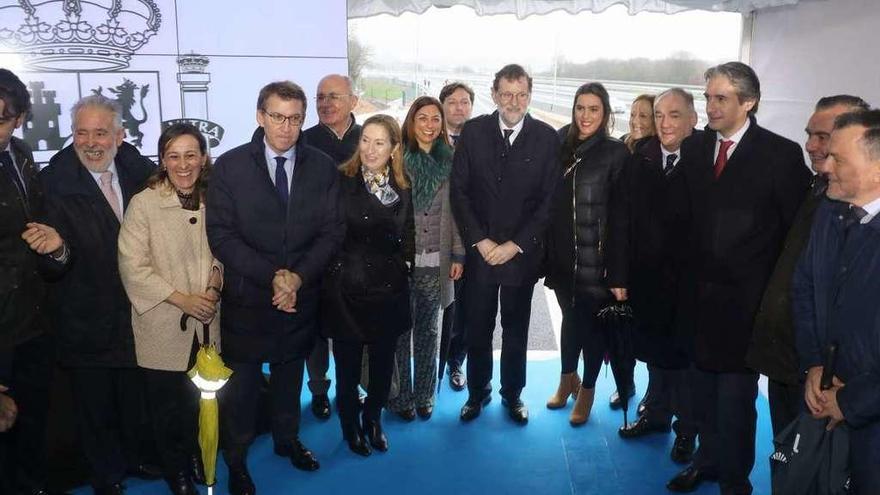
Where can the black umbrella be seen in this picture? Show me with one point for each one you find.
(618, 323)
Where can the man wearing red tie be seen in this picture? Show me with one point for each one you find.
(736, 197)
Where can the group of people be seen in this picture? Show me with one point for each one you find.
(735, 260)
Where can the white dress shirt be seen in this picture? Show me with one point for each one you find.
(288, 165)
(516, 128)
(736, 138)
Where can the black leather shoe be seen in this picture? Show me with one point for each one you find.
(145, 471)
(406, 414)
(301, 457)
(377, 437)
(642, 427)
(472, 408)
(614, 400)
(516, 410)
(425, 412)
(181, 484)
(112, 489)
(456, 379)
(689, 479)
(321, 406)
(357, 443)
(683, 449)
(240, 482)
(197, 469)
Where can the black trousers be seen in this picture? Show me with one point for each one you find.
(724, 407)
(454, 325)
(786, 403)
(317, 365)
(239, 400)
(23, 448)
(110, 411)
(669, 394)
(581, 334)
(349, 357)
(173, 403)
(481, 306)
(864, 455)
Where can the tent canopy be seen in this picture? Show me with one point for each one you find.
(522, 9)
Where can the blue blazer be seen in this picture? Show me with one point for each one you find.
(253, 235)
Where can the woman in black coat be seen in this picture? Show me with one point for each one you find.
(591, 164)
(366, 290)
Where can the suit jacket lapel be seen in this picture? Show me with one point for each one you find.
(743, 148)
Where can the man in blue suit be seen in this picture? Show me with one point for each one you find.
(272, 221)
(836, 294)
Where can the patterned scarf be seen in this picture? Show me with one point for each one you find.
(427, 172)
(378, 185)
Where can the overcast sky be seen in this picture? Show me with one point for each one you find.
(457, 36)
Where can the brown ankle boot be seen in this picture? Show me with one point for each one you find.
(569, 383)
(582, 406)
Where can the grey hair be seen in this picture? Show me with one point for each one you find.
(853, 102)
(742, 77)
(681, 93)
(870, 120)
(345, 78)
(98, 101)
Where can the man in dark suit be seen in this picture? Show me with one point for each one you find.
(836, 295)
(272, 221)
(88, 186)
(29, 251)
(337, 133)
(457, 99)
(741, 186)
(651, 274)
(772, 350)
(504, 174)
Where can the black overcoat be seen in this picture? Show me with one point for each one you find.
(732, 231)
(91, 311)
(253, 235)
(504, 195)
(366, 289)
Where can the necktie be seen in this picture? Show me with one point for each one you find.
(281, 180)
(721, 160)
(507, 134)
(9, 168)
(454, 138)
(110, 194)
(853, 216)
(670, 163)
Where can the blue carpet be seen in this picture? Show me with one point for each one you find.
(490, 455)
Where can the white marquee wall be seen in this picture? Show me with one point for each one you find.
(811, 50)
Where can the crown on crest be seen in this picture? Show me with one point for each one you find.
(80, 35)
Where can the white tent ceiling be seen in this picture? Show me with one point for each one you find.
(525, 8)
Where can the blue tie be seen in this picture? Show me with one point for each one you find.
(281, 180)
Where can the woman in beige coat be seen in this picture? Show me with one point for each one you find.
(168, 272)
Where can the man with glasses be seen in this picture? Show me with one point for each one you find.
(504, 174)
(272, 221)
(337, 134)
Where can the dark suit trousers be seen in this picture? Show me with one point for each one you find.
(669, 394)
(173, 402)
(349, 357)
(23, 448)
(454, 326)
(786, 403)
(724, 407)
(317, 366)
(481, 302)
(110, 413)
(864, 455)
(239, 401)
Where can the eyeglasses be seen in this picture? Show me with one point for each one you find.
(332, 97)
(278, 119)
(505, 97)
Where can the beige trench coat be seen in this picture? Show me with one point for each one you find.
(161, 249)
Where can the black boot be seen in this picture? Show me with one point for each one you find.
(357, 442)
(181, 484)
(377, 437)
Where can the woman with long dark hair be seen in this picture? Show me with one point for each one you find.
(591, 164)
(365, 300)
(439, 257)
(169, 272)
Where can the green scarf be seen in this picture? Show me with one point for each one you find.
(427, 171)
